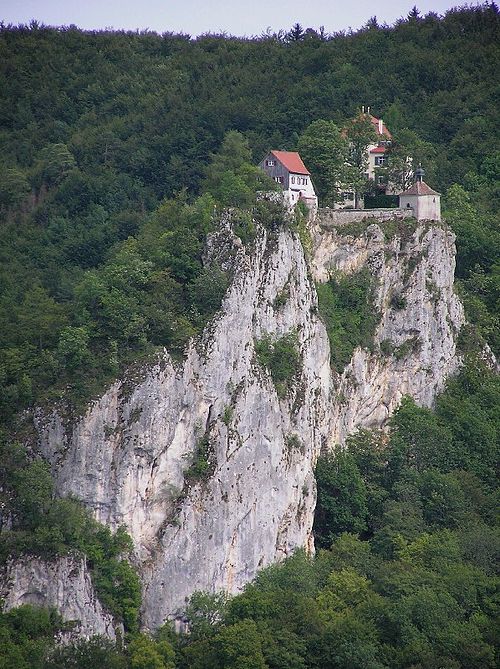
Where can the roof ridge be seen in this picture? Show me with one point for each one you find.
(291, 160)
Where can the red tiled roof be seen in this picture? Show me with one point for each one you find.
(292, 161)
(379, 149)
(419, 188)
(384, 132)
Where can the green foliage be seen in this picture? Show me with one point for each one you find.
(146, 653)
(239, 646)
(472, 216)
(280, 356)
(360, 134)
(26, 636)
(227, 416)
(14, 187)
(325, 151)
(203, 462)
(73, 346)
(346, 308)
(208, 289)
(205, 613)
(341, 505)
(406, 152)
(231, 177)
(93, 653)
(56, 161)
(45, 526)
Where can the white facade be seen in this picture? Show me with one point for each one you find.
(288, 170)
(300, 187)
(425, 202)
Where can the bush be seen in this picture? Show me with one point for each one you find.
(203, 463)
(346, 308)
(280, 356)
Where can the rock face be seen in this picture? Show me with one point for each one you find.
(414, 348)
(64, 584)
(129, 457)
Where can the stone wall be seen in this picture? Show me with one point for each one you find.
(327, 217)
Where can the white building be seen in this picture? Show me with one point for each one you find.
(425, 202)
(287, 169)
(376, 158)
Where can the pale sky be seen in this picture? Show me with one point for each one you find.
(237, 17)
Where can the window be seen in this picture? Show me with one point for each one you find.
(381, 180)
(348, 196)
(270, 163)
(380, 160)
(293, 180)
(278, 180)
(305, 181)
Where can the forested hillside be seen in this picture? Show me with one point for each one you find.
(119, 151)
(97, 129)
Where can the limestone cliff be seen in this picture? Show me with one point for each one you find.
(129, 457)
(64, 584)
(414, 348)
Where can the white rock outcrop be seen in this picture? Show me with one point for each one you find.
(127, 457)
(64, 584)
(414, 347)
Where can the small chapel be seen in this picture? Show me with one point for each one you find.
(425, 202)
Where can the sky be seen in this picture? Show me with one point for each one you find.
(194, 17)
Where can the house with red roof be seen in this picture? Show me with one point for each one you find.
(288, 170)
(376, 158)
(377, 151)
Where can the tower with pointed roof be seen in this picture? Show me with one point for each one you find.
(425, 202)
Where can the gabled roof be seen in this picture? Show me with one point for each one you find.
(419, 188)
(384, 132)
(292, 161)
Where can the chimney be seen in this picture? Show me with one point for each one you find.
(380, 126)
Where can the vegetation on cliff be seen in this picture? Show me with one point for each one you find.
(115, 146)
(404, 577)
(118, 152)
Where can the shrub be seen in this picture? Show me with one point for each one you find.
(347, 310)
(203, 463)
(281, 358)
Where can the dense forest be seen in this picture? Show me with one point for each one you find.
(119, 151)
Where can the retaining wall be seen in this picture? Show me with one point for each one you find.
(338, 217)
